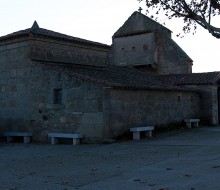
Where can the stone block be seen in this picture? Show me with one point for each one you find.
(91, 106)
(91, 130)
(63, 119)
(77, 105)
(12, 103)
(23, 44)
(74, 93)
(93, 94)
(92, 118)
(12, 46)
(75, 118)
(2, 48)
(21, 72)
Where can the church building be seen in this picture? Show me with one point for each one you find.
(52, 82)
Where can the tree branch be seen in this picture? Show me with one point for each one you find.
(193, 12)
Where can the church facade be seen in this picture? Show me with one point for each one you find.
(51, 82)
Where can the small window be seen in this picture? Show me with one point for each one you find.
(57, 99)
(191, 98)
(133, 48)
(179, 98)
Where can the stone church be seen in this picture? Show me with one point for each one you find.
(51, 82)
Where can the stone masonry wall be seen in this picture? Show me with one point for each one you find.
(56, 51)
(171, 59)
(26, 98)
(140, 108)
(14, 96)
(209, 104)
(151, 49)
(81, 109)
(135, 50)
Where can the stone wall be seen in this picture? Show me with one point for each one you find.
(14, 82)
(172, 59)
(65, 52)
(209, 103)
(27, 90)
(140, 108)
(162, 54)
(135, 50)
(81, 109)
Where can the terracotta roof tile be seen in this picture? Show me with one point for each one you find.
(112, 76)
(191, 79)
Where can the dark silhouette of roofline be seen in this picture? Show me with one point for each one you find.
(35, 30)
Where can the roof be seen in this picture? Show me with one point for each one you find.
(191, 79)
(111, 76)
(139, 23)
(41, 32)
(178, 48)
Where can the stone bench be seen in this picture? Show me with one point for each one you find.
(136, 131)
(9, 136)
(54, 136)
(190, 121)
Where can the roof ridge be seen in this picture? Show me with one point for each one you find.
(36, 30)
(120, 32)
(152, 20)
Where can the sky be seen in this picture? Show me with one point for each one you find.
(98, 20)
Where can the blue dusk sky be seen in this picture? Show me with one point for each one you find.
(97, 20)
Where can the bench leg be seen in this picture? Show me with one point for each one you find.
(136, 135)
(76, 141)
(188, 124)
(148, 133)
(26, 140)
(9, 139)
(53, 140)
(196, 124)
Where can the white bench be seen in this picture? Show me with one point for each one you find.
(136, 131)
(190, 121)
(76, 137)
(9, 136)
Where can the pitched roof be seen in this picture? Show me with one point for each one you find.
(41, 32)
(191, 79)
(111, 76)
(181, 52)
(139, 23)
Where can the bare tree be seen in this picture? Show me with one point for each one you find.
(193, 12)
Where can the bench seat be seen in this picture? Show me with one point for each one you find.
(189, 122)
(136, 131)
(26, 135)
(76, 137)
